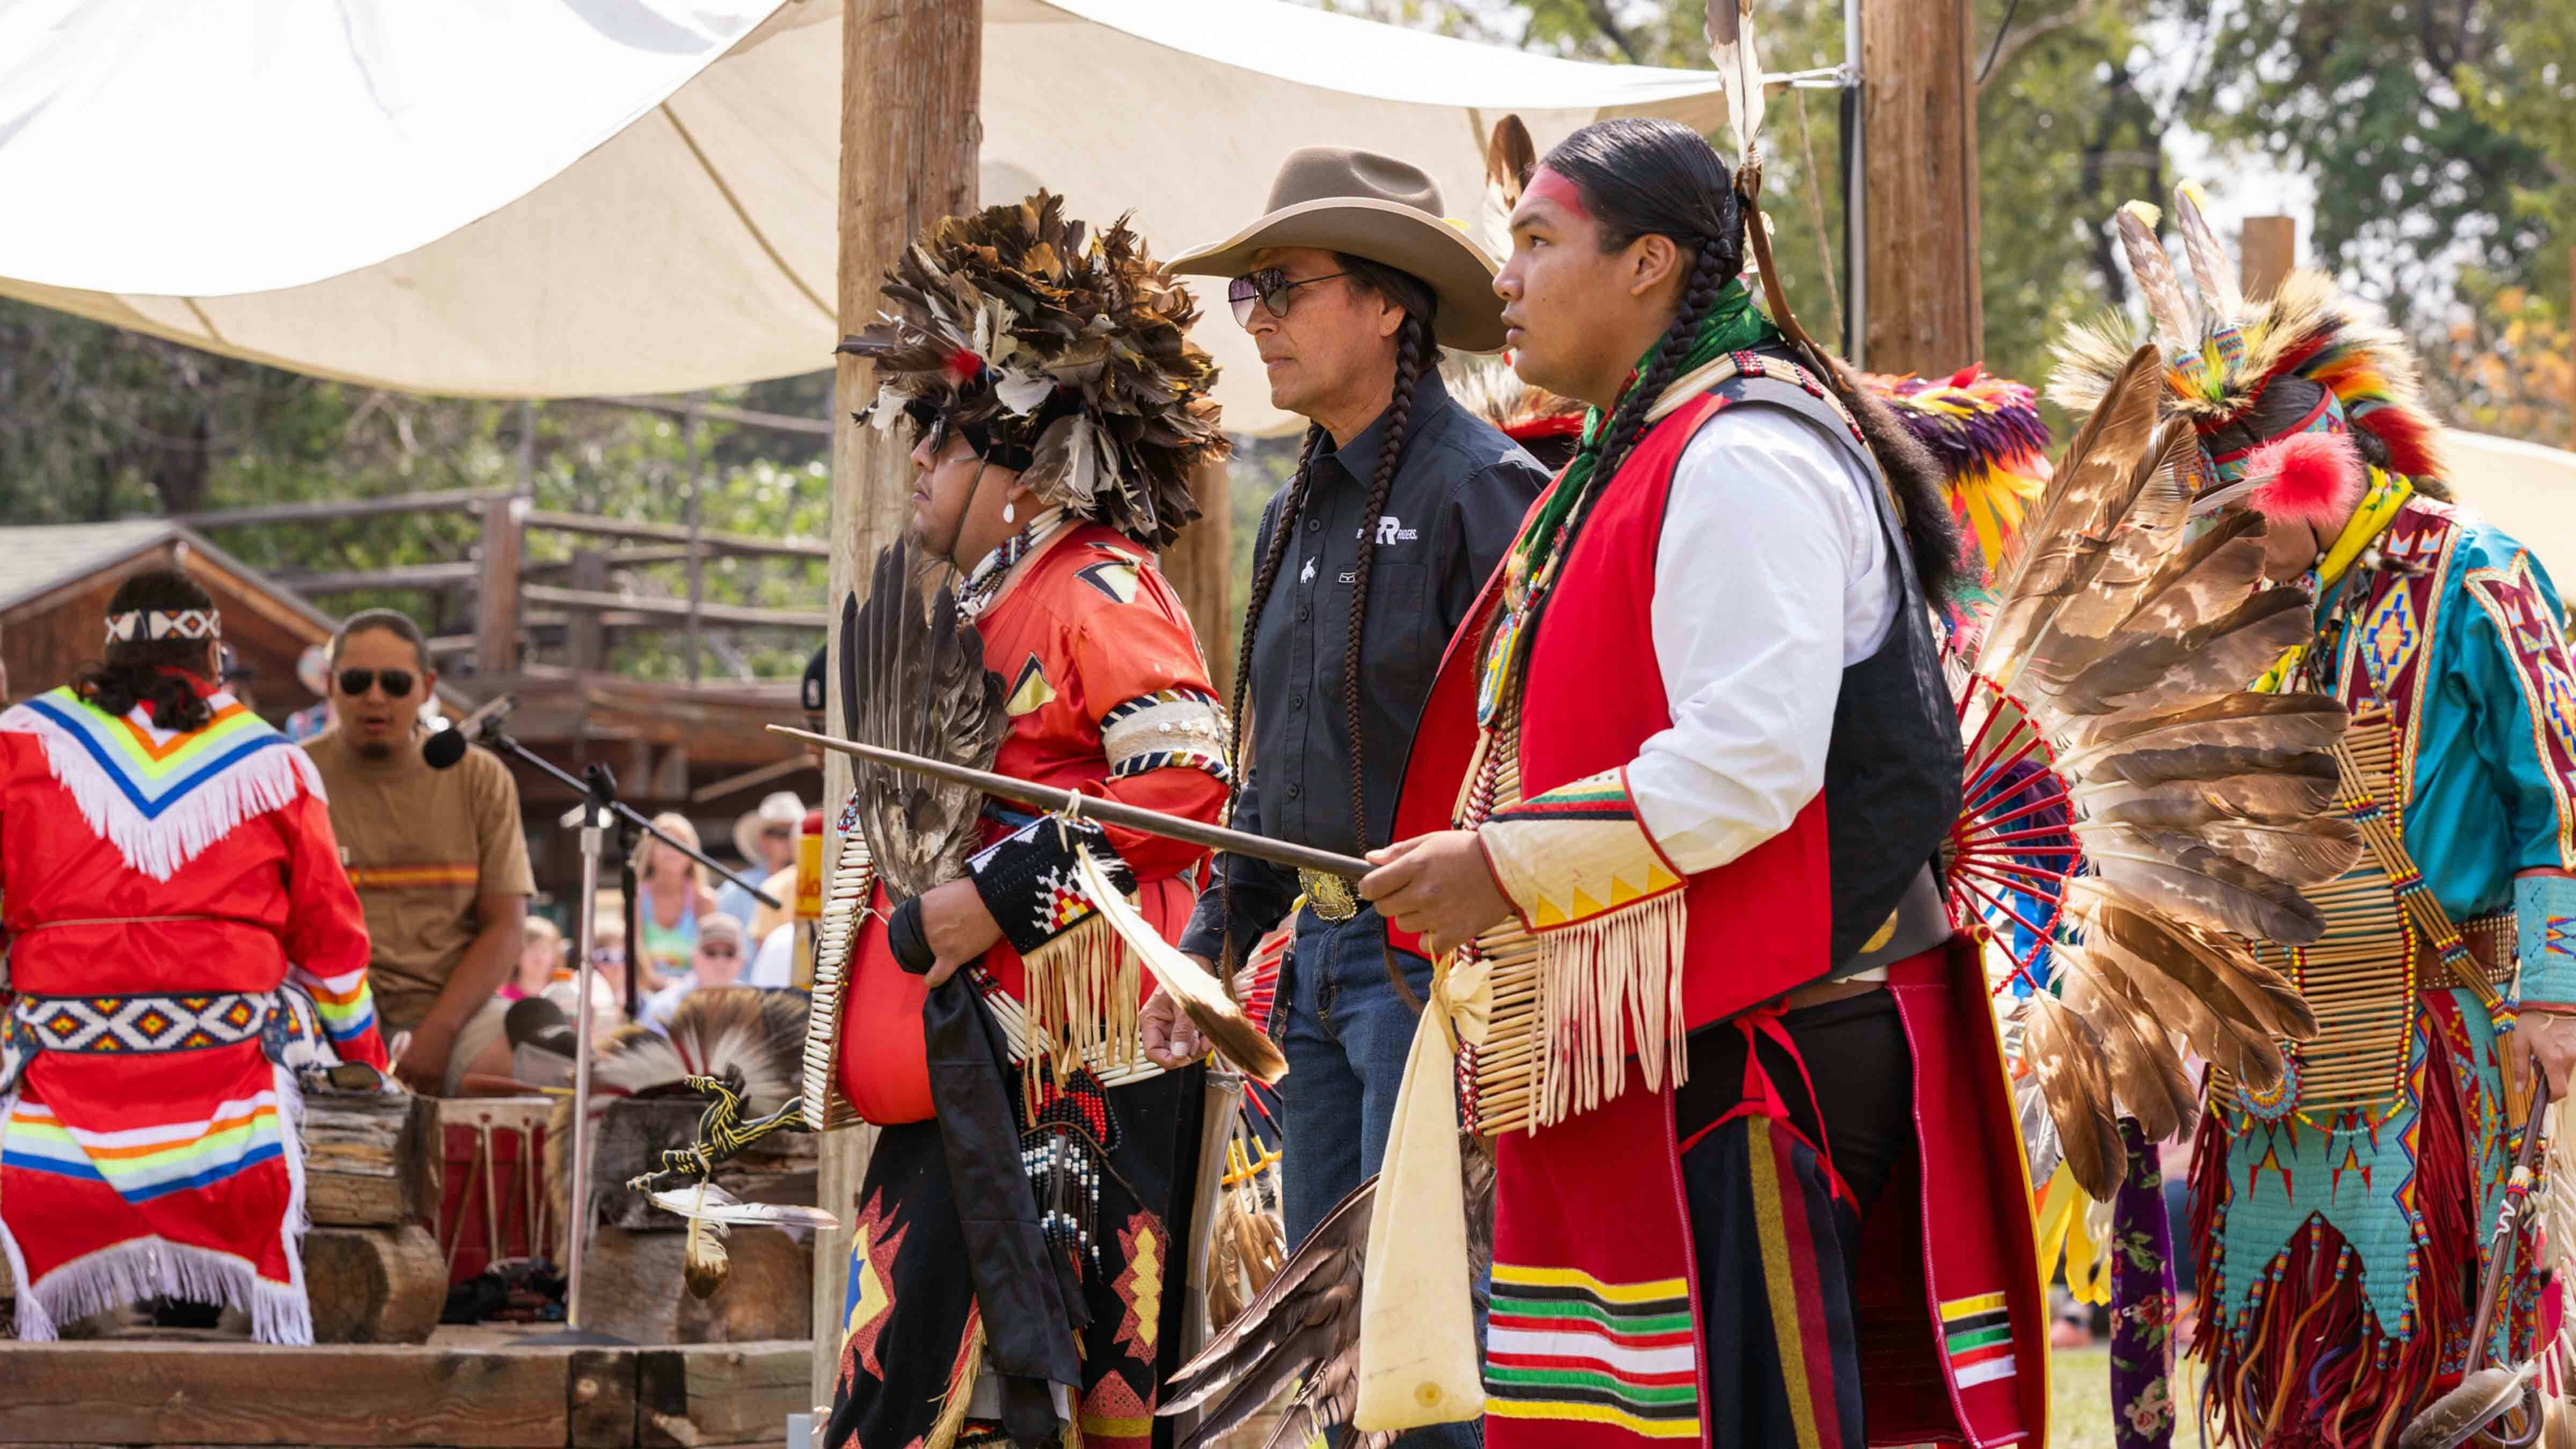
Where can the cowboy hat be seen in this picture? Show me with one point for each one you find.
(779, 808)
(1367, 205)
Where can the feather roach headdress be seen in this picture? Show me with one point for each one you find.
(1987, 435)
(1063, 354)
(2250, 372)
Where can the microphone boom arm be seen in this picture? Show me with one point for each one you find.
(491, 737)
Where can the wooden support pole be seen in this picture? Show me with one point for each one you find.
(910, 74)
(696, 547)
(1920, 115)
(1200, 567)
(585, 643)
(2271, 253)
(496, 599)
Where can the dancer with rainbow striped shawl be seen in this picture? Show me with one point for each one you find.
(183, 940)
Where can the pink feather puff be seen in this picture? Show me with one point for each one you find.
(2312, 478)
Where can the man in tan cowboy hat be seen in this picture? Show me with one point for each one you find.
(1350, 284)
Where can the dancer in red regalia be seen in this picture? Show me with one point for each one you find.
(183, 940)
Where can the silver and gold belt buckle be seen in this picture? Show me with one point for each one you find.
(1331, 896)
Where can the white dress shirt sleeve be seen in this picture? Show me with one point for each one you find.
(1772, 576)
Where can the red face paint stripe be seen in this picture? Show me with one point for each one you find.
(1557, 191)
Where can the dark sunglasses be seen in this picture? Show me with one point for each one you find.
(924, 419)
(1272, 287)
(396, 682)
(719, 951)
(779, 832)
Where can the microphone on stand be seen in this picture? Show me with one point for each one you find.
(446, 745)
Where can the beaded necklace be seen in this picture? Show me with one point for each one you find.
(984, 582)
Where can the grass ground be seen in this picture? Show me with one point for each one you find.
(2079, 1399)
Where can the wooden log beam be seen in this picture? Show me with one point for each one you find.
(644, 611)
(585, 646)
(714, 542)
(1919, 113)
(910, 133)
(718, 413)
(496, 599)
(326, 510)
(392, 576)
(374, 1285)
(618, 558)
(140, 1392)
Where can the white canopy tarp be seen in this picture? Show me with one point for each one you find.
(2525, 489)
(565, 197)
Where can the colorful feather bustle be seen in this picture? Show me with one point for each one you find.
(2167, 831)
(1993, 448)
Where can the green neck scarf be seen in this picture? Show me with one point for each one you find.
(1733, 325)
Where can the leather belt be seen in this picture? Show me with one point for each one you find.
(1818, 993)
(2494, 942)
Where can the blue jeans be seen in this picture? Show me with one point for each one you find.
(1346, 1039)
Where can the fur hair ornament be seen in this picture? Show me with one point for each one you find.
(2311, 478)
(1064, 353)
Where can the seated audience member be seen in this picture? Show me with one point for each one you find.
(437, 855)
(773, 966)
(766, 839)
(674, 899)
(313, 671)
(717, 961)
(607, 973)
(539, 959)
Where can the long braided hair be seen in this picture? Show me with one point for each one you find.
(1636, 188)
(1643, 177)
(1415, 354)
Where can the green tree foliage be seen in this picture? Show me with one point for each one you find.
(98, 423)
(2378, 105)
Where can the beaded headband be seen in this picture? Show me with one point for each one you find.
(163, 624)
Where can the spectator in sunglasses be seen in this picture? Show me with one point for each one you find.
(718, 961)
(437, 855)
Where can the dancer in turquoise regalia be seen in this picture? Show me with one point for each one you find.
(2342, 1220)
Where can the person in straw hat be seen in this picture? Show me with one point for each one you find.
(766, 840)
(1351, 282)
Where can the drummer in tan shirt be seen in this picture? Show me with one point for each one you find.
(438, 857)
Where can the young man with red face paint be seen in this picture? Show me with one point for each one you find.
(1696, 755)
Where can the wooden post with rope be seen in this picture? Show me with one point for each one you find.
(1919, 109)
(910, 74)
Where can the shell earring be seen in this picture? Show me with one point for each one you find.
(1008, 515)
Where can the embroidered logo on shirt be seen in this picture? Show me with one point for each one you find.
(1308, 576)
(1391, 529)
